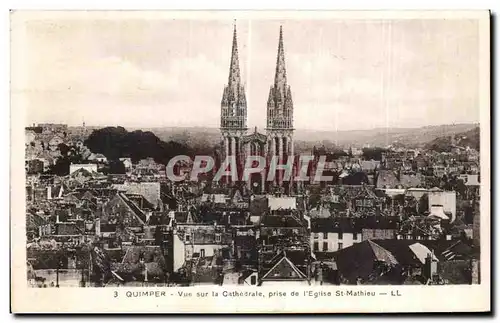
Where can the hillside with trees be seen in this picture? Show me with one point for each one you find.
(464, 139)
(117, 142)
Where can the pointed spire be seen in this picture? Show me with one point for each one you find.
(224, 97)
(234, 69)
(280, 76)
(233, 103)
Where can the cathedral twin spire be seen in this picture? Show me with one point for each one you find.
(279, 103)
(234, 110)
(279, 106)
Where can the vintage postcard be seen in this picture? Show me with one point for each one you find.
(250, 162)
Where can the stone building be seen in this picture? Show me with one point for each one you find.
(278, 140)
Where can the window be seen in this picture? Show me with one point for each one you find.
(355, 236)
(325, 246)
(340, 246)
(187, 238)
(217, 238)
(315, 234)
(341, 235)
(202, 253)
(316, 246)
(325, 235)
(253, 280)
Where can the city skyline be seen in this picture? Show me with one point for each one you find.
(419, 73)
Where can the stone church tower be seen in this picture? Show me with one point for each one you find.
(278, 140)
(280, 111)
(233, 123)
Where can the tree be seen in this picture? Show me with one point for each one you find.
(373, 153)
(60, 167)
(423, 204)
(64, 149)
(116, 142)
(116, 167)
(357, 178)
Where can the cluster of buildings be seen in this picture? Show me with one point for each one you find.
(411, 217)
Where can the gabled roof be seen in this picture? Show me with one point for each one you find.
(149, 190)
(421, 252)
(358, 260)
(82, 172)
(386, 179)
(284, 269)
(366, 192)
(139, 214)
(88, 196)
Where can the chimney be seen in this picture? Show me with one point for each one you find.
(430, 266)
(98, 227)
(49, 192)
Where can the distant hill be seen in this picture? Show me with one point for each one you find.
(305, 139)
(468, 138)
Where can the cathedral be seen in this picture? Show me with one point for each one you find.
(277, 142)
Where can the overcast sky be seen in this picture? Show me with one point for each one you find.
(351, 74)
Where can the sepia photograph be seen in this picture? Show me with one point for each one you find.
(250, 158)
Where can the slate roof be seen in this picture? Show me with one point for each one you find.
(33, 221)
(410, 180)
(258, 206)
(353, 224)
(359, 260)
(284, 269)
(148, 253)
(149, 190)
(386, 179)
